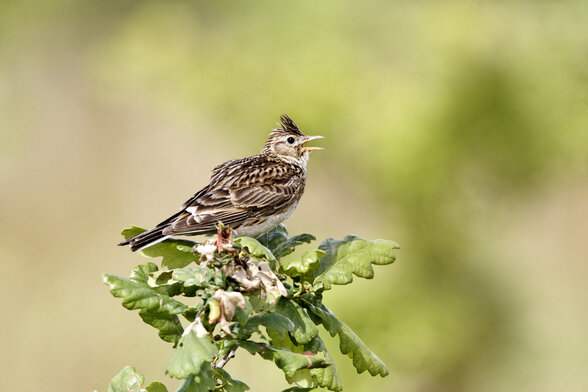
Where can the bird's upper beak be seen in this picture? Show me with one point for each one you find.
(309, 138)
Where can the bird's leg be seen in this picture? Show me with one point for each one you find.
(219, 239)
(223, 234)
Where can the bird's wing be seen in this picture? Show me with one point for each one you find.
(238, 190)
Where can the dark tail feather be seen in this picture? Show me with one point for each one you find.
(145, 239)
(150, 237)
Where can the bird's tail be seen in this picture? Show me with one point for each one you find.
(145, 239)
(151, 237)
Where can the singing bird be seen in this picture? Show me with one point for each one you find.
(251, 195)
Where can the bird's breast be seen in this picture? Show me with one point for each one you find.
(254, 227)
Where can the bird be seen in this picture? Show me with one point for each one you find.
(251, 195)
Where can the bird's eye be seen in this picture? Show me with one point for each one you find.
(291, 140)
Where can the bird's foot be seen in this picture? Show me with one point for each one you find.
(223, 236)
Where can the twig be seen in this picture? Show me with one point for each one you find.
(230, 354)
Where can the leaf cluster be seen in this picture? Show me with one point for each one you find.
(239, 293)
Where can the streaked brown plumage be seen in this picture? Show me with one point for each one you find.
(251, 195)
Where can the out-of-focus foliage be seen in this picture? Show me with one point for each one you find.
(457, 128)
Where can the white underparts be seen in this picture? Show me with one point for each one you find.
(261, 228)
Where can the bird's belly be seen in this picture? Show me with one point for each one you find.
(257, 228)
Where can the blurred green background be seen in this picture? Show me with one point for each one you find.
(458, 129)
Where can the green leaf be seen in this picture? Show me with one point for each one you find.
(286, 342)
(274, 321)
(163, 277)
(288, 246)
(274, 237)
(349, 343)
(327, 377)
(258, 303)
(305, 265)
(251, 347)
(279, 242)
(127, 380)
(319, 310)
(197, 276)
(174, 253)
(204, 381)
(157, 310)
(241, 316)
(228, 383)
(303, 379)
(297, 389)
(304, 328)
(141, 273)
(352, 255)
(140, 296)
(134, 295)
(169, 326)
(255, 248)
(149, 276)
(156, 387)
(290, 362)
(356, 349)
(191, 355)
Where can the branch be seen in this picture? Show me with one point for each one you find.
(230, 354)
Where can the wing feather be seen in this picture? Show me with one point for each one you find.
(238, 190)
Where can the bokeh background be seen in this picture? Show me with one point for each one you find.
(458, 129)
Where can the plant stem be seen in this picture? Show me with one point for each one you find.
(230, 354)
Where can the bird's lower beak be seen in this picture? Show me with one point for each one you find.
(309, 138)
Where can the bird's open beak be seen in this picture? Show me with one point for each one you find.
(309, 138)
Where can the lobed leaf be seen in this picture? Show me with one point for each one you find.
(174, 253)
(304, 328)
(204, 381)
(305, 265)
(127, 380)
(198, 277)
(149, 276)
(288, 246)
(156, 387)
(274, 237)
(290, 362)
(326, 377)
(229, 384)
(251, 347)
(279, 242)
(302, 378)
(142, 272)
(324, 314)
(350, 256)
(349, 343)
(193, 355)
(255, 248)
(169, 326)
(356, 349)
(274, 321)
(140, 296)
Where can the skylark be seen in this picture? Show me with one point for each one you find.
(251, 195)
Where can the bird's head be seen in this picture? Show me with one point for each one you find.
(287, 142)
